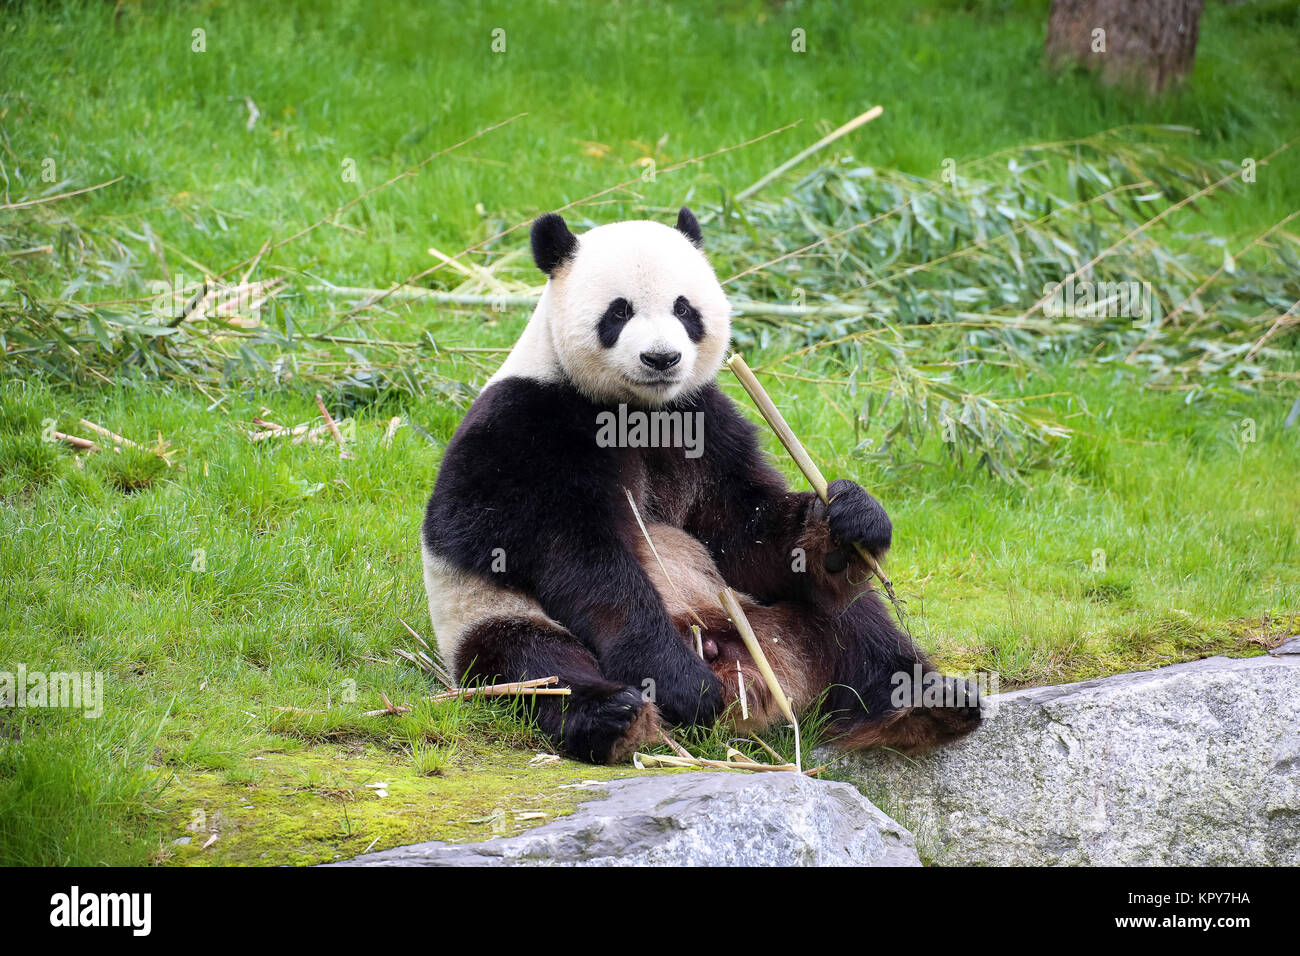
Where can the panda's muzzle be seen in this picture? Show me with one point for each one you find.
(660, 361)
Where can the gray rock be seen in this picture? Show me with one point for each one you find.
(694, 819)
(1290, 646)
(1194, 764)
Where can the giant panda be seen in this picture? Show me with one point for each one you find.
(535, 563)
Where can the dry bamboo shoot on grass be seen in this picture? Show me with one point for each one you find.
(522, 688)
(333, 427)
(652, 761)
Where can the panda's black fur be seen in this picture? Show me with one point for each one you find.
(532, 511)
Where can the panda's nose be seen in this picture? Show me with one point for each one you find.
(660, 361)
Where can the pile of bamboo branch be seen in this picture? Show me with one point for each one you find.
(161, 448)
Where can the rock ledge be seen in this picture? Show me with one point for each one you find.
(692, 819)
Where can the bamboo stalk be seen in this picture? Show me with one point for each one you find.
(410, 630)
(655, 551)
(45, 199)
(513, 688)
(272, 430)
(101, 430)
(408, 656)
(676, 747)
(119, 440)
(312, 435)
(388, 708)
(654, 761)
(333, 427)
(83, 443)
(734, 611)
(498, 691)
(759, 740)
(801, 458)
(793, 161)
(1282, 320)
(744, 698)
(734, 756)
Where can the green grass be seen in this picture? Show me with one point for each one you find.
(604, 87)
(266, 576)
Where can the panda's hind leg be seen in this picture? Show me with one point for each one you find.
(601, 721)
(874, 662)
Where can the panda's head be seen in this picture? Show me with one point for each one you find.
(634, 310)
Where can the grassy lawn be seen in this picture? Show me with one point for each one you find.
(243, 604)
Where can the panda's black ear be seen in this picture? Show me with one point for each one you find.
(553, 243)
(689, 227)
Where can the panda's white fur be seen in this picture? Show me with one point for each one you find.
(458, 600)
(649, 264)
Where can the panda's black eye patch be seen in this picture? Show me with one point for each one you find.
(611, 324)
(689, 317)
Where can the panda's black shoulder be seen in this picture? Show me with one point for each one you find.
(522, 441)
(518, 407)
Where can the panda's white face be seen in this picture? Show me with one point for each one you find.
(635, 313)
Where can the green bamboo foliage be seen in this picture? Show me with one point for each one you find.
(893, 288)
(902, 287)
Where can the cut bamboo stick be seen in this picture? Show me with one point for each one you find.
(272, 430)
(676, 747)
(655, 551)
(653, 761)
(860, 120)
(44, 199)
(333, 427)
(83, 443)
(159, 449)
(408, 656)
(744, 698)
(101, 430)
(777, 422)
(388, 708)
(734, 611)
(410, 630)
(522, 688)
(759, 740)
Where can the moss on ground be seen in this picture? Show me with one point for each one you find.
(336, 801)
(1174, 639)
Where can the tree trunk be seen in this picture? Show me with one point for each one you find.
(1146, 44)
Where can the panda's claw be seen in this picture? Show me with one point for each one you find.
(606, 728)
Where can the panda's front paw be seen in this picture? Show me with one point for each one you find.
(604, 727)
(854, 516)
(693, 696)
